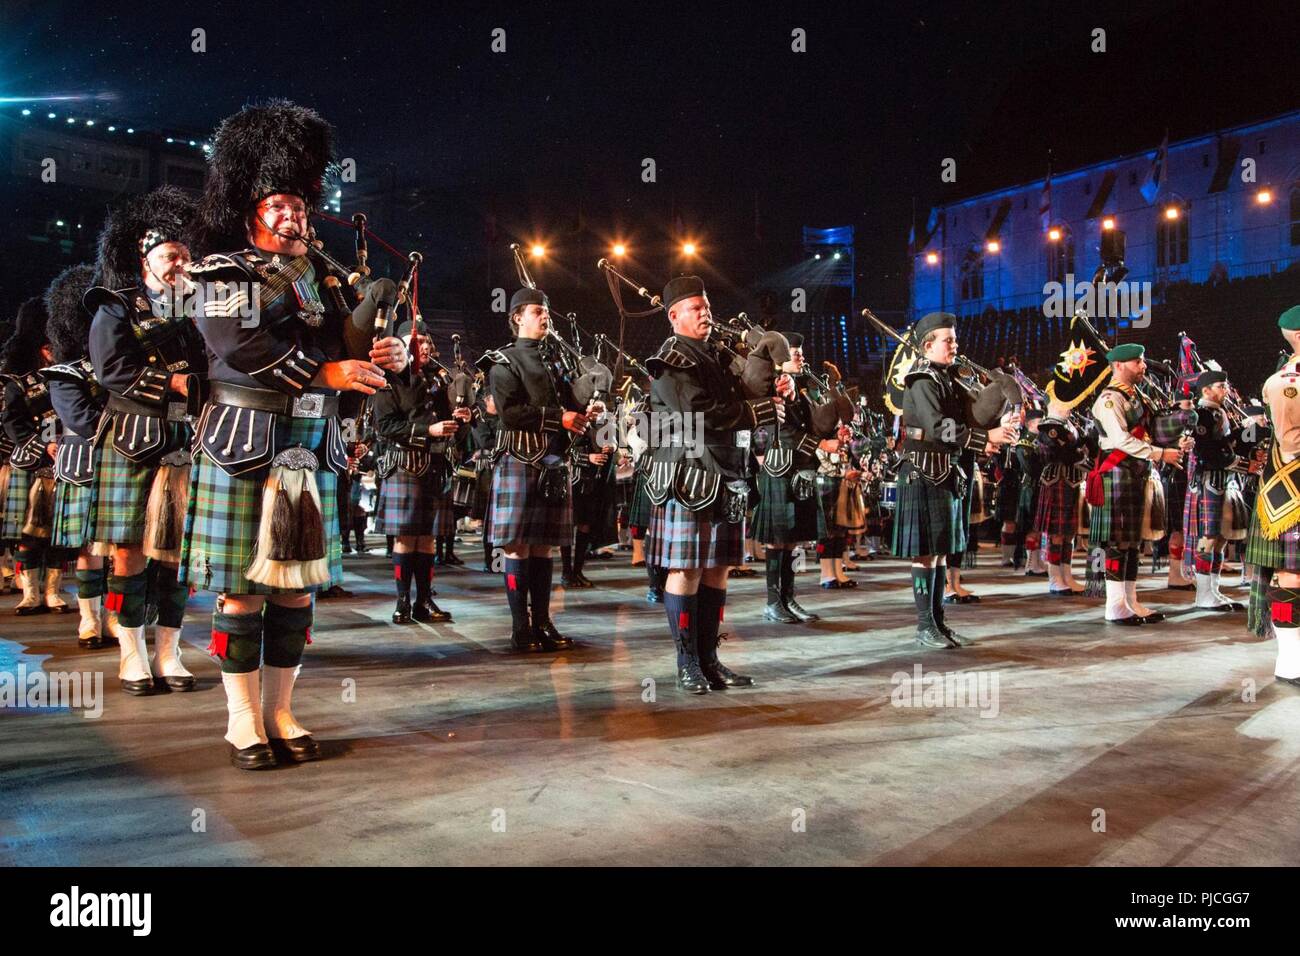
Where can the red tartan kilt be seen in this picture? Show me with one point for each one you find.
(1058, 509)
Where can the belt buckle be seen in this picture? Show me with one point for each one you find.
(308, 406)
(742, 439)
(175, 411)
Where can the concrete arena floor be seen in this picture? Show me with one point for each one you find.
(457, 752)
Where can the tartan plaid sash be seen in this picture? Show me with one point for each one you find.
(1093, 493)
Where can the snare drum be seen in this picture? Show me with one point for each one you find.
(888, 495)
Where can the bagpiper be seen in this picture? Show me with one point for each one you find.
(1121, 488)
(1214, 510)
(79, 401)
(146, 352)
(1065, 449)
(531, 511)
(1273, 541)
(696, 482)
(27, 484)
(416, 421)
(263, 528)
(930, 522)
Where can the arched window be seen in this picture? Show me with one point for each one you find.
(1171, 235)
(1295, 214)
(1060, 253)
(972, 276)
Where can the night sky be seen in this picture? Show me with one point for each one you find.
(751, 139)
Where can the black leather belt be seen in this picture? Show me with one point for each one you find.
(172, 411)
(307, 405)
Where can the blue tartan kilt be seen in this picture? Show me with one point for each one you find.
(410, 505)
(781, 519)
(517, 511)
(71, 515)
(1206, 502)
(681, 539)
(1117, 521)
(120, 496)
(929, 519)
(14, 504)
(225, 513)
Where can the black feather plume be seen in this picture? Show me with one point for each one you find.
(168, 210)
(69, 324)
(22, 351)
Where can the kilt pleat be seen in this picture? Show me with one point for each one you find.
(680, 539)
(638, 514)
(414, 505)
(71, 515)
(224, 515)
(121, 492)
(928, 519)
(14, 515)
(780, 518)
(1204, 504)
(517, 511)
(1058, 509)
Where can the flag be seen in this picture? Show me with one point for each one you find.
(1186, 364)
(1045, 203)
(1156, 174)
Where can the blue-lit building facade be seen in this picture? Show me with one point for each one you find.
(1199, 223)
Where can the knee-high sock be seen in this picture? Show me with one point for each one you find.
(450, 551)
(126, 596)
(237, 641)
(286, 632)
(787, 574)
(423, 572)
(90, 583)
(516, 581)
(581, 541)
(566, 559)
(169, 595)
(937, 575)
(403, 572)
(540, 572)
(710, 603)
(921, 579)
(774, 564)
(681, 610)
(487, 552)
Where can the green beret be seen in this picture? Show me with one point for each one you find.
(1126, 353)
(1290, 319)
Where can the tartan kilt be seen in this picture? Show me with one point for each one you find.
(482, 494)
(1205, 505)
(71, 515)
(517, 511)
(1279, 554)
(121, 492)
(828, 494)
(681, 539)
(638, 515)
(779, 519)
(1008, 508)
(14, 514)
(1117, 521)
(410, 505)
(929, 519)
(1058, 508)
(1027, 505)
(224, 514)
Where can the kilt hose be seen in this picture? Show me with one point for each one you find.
(638, 513)
(225, 513)
(1117, 521)
(929, 519)
(1209, 494)
(14, 513)
(780, 518)
(121, 493)
(679, 539)
(71, 515)
(1058, 502)
(411, 505)
(518, 513)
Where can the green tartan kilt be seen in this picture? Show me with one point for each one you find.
(780, 519)
(15, 505)
(1279, 554)
(929, 519)
(71, 515)
(121, 492)
(1117, 522)
(224, 515)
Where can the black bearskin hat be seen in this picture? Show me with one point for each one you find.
(21, 353)
(69, 325)
(276, 147)
(135, 227)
